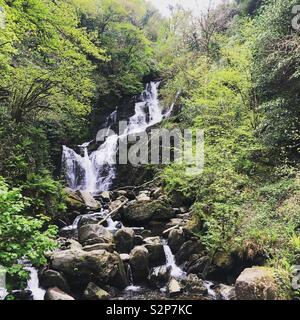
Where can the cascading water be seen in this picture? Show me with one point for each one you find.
(176, 272)
(95, 172)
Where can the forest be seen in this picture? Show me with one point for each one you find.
(232, 70)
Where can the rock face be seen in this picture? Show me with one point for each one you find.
(99, 266)
(176, 239)
(89, 200)
(52, 278)
(187, 250)
(173, 288)
(124, 240)
(93, 292)
(94, 233)
(256, 283)
(193, 284)
(156, 251)
(159, 276)
(57, 294)
(140, 213)
(139, 263)
(74, 201)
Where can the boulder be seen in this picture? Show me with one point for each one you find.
(187, 250)
(110, 247)
(51, 278)
(156, 193)
(93, 292)
(193, 284)
(176, 239)
(125, 257)
(226, 292)
(159, 276)
(139, 263)
(173, 288)
(156, 251)
(74, 201)
(117, 204)
(257, 283)
(138, 240)
(105, 196)
(124, 240)
(198, 264)
(143, 197)
(94, 233)
(101, 266)
(89, 200)
(140, 213)
(57, 294)
(93, 218)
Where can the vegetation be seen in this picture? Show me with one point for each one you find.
(64, 63)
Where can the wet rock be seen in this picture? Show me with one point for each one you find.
(124, 240)
(157, 228)
(93, 292)
(74, 201)
(125, 257)
(101, 267)
(193, 284)
(146, 233)
(173, 288)
(155, 193)
(94, 218)
(88, 200)
(187, 250)
(159, 276)
(117, 204)
(198, 265)
(94, 233)
(51, 278)
(57, 294)
(143, 196)
(110, 247)
(105, 196)
(176, 239)
(138, 240)
(25, 295)
(226, 292)
(139, 263)
(257, 283)
(140, 213)
(156, 251)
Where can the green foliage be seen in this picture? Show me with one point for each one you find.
(21, 235)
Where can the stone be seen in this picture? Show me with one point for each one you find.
(227, 292)
(155, 193)
(51, 278)
(124, 240)
(105, 196)
(257, 283)
(74, 202)
(57, 294)
(139, 263)
(173, 288)
(110, 247)
(193, 284)
(143, 197)
(138, 240)
(94, 233)
(159, 276)
(89, 200)
(94, 218)
(93, 292)
(198, 264)
(156, 251)
(125, 257)
(101, 266)
(187, 250)
(140, 213)
(176, 239)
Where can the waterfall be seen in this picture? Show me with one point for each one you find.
(95, 172)
(176, 272)
(33, 284)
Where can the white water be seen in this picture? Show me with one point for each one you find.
(33, 284)
(96, 171)
(176, 272)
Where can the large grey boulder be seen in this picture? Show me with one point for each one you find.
(156, 251)
(257, 283)
(124, 240)
(93, 292)
(94, 233)
(140, 213)
(89, 200)
(101, 266)
(159, 276)
(139, 263)
(51, 278)
(193, 284)
(187, 250)
(57, 294)
(176, 239)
